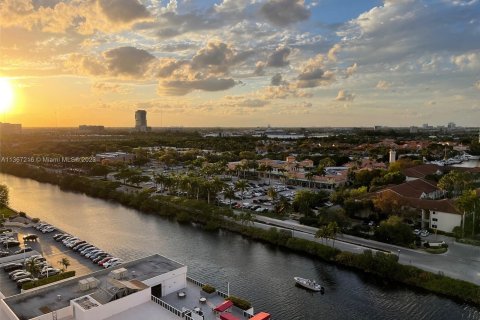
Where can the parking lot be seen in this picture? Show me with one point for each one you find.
(52, 251)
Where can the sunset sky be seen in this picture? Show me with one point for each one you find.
(241, 62)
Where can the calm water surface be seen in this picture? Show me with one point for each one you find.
(255, 271)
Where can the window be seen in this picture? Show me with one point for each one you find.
(434, 219)
(434, 226)
(433, 212)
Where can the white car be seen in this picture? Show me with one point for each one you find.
(111, 262)
(48, 230)
(424, 233)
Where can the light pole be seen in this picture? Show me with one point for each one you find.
(398, 254)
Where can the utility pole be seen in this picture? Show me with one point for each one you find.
(473, 226)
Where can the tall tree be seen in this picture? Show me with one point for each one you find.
(65, 262)
(4, 197)
(241, 185)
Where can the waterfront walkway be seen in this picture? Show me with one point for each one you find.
(461, 261)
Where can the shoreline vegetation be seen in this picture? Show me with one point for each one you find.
(212, 218)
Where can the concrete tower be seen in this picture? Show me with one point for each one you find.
(141, 120)
(392, 156)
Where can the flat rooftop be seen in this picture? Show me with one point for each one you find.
(191, 300)
(57, 296)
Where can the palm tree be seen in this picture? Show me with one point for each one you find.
(269, 169)
(229, 194)
(241, 186)
(322, 233)
(33, 267)
(65, 262)
(333, 229)
(272, 193)
(309, 175)
(283, 206)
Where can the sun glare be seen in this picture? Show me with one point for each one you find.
(6, 95)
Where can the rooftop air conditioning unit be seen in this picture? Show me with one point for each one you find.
(83, 285)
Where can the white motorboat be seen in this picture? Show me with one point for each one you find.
(309, 284)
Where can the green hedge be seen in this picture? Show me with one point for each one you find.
(240, 303)
(44, 281)
(208, 288)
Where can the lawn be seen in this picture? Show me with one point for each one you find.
(6, 212)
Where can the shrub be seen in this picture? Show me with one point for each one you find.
(208, 288)
(35, 220)
(22, 214)
(44, 281)
(183, 217)
(240, 303)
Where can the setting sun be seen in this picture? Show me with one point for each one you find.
(6, 95)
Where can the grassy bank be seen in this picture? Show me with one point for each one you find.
(211, 217)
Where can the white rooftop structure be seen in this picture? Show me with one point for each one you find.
(150, 288)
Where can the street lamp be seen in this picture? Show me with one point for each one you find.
(398, 254)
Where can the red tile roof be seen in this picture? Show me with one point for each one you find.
(444, 205)
(422, 170)
(413, 189)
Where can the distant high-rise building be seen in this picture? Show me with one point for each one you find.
(141, 120)
(90, 128)
(392, 156)
(451, 125)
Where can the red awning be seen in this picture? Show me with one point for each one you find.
(261, 316)
(224, 306)
(228, 316)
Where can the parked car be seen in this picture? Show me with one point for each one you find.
(15, 272)
(424, 233)
(88, 250)
(61, 237)
(75, 243)
(41, 225)
(30, 237)
(112, 263)
(80, 246)
(26, 249)
(4, 254)
(21, 275)
(11, 243)
(104, 260)
(12, 266)
(94, 256)
(48, 230)
(21, 282)
(48, 272)
(100, 258)
(92, 253)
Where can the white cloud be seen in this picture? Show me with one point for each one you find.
(383, 85)
(344, 95)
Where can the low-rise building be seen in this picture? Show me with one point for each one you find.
(114, 157)
(438, 214)
(150, 288)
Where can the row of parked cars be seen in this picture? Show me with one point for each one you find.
(8, 241)
(45, 227)
(18, 271)
(88, 250)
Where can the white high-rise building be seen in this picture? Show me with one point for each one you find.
(392, 156)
